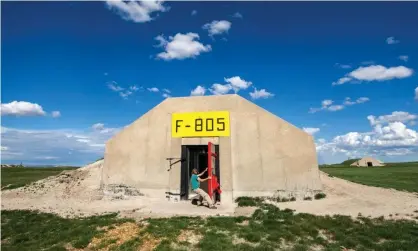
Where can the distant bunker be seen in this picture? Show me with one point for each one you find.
(249, 151)
(367, 162)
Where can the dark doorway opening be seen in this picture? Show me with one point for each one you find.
(369, 164)
(195, 156)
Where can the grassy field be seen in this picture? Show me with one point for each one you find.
(400, 176)
(18, 177)
(269, 228)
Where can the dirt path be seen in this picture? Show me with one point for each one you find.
(78, 193)
(348, 198)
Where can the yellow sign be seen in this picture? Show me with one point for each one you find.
(200, 124)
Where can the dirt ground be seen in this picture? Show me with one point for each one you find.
(77, 193)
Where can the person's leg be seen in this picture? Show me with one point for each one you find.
(205, 196)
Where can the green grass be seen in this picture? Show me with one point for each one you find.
(269, 228)
(28, 230)
(18, 177)
(400, 176)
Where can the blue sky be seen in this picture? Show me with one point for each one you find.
(97, 66)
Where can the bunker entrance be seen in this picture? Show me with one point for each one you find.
(196, 156)
(369, 164)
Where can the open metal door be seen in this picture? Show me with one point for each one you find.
(213, 184)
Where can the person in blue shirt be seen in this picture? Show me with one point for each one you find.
(195, 182)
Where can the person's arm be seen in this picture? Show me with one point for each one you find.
(200, 174)
(202, 180)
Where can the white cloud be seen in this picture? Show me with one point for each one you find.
(217, 27)
(327, 104)
(181, 46)
(219, 89)
(21, 108)
(334, 108)
(394, 139)
(376, 73)
(361, 100)
(311, 130)
(396, 116)
(257, 94)
(86, 144)
(380, 73)
(194, 12)
(106, 73)
(98, 126)
(391, 40)
(166, 91)
(153, 89)
(125, 94)
(416, 93)
(237, 15)
(114, 86)
(404, 58)
(136, 11)
(341, 81)
(237, 83)
(198, 91)
(56, 114)
(133, 88)
(166, 95)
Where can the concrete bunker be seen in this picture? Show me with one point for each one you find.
(254, 153)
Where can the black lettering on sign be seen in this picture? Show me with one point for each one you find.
(220, 121)
(198, 125)
(177, 124)
(209, 125)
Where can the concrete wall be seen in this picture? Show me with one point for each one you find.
(363, 162)
(264, 153)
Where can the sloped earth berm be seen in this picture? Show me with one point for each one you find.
(268, 228)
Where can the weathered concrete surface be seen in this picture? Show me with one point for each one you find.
(263, 154)
(365, 160)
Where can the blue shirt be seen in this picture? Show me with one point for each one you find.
(194, 181)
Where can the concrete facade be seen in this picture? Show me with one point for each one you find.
(264, 154)
(364, 162)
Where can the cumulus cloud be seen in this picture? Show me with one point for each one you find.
(391, 40)
(22, 108)
(153, 89)
(237, 15)
(56, 114)
(311, 130)
(217, 27)
(198, 91)
(404, 58)
(181, 46)
(194, 12)
(28, 145)
(396, 116)
(327, 104)
(136, 11)
(376, 73)
(260, 94)
(237, 83)
(220, 89)
(394, 139)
